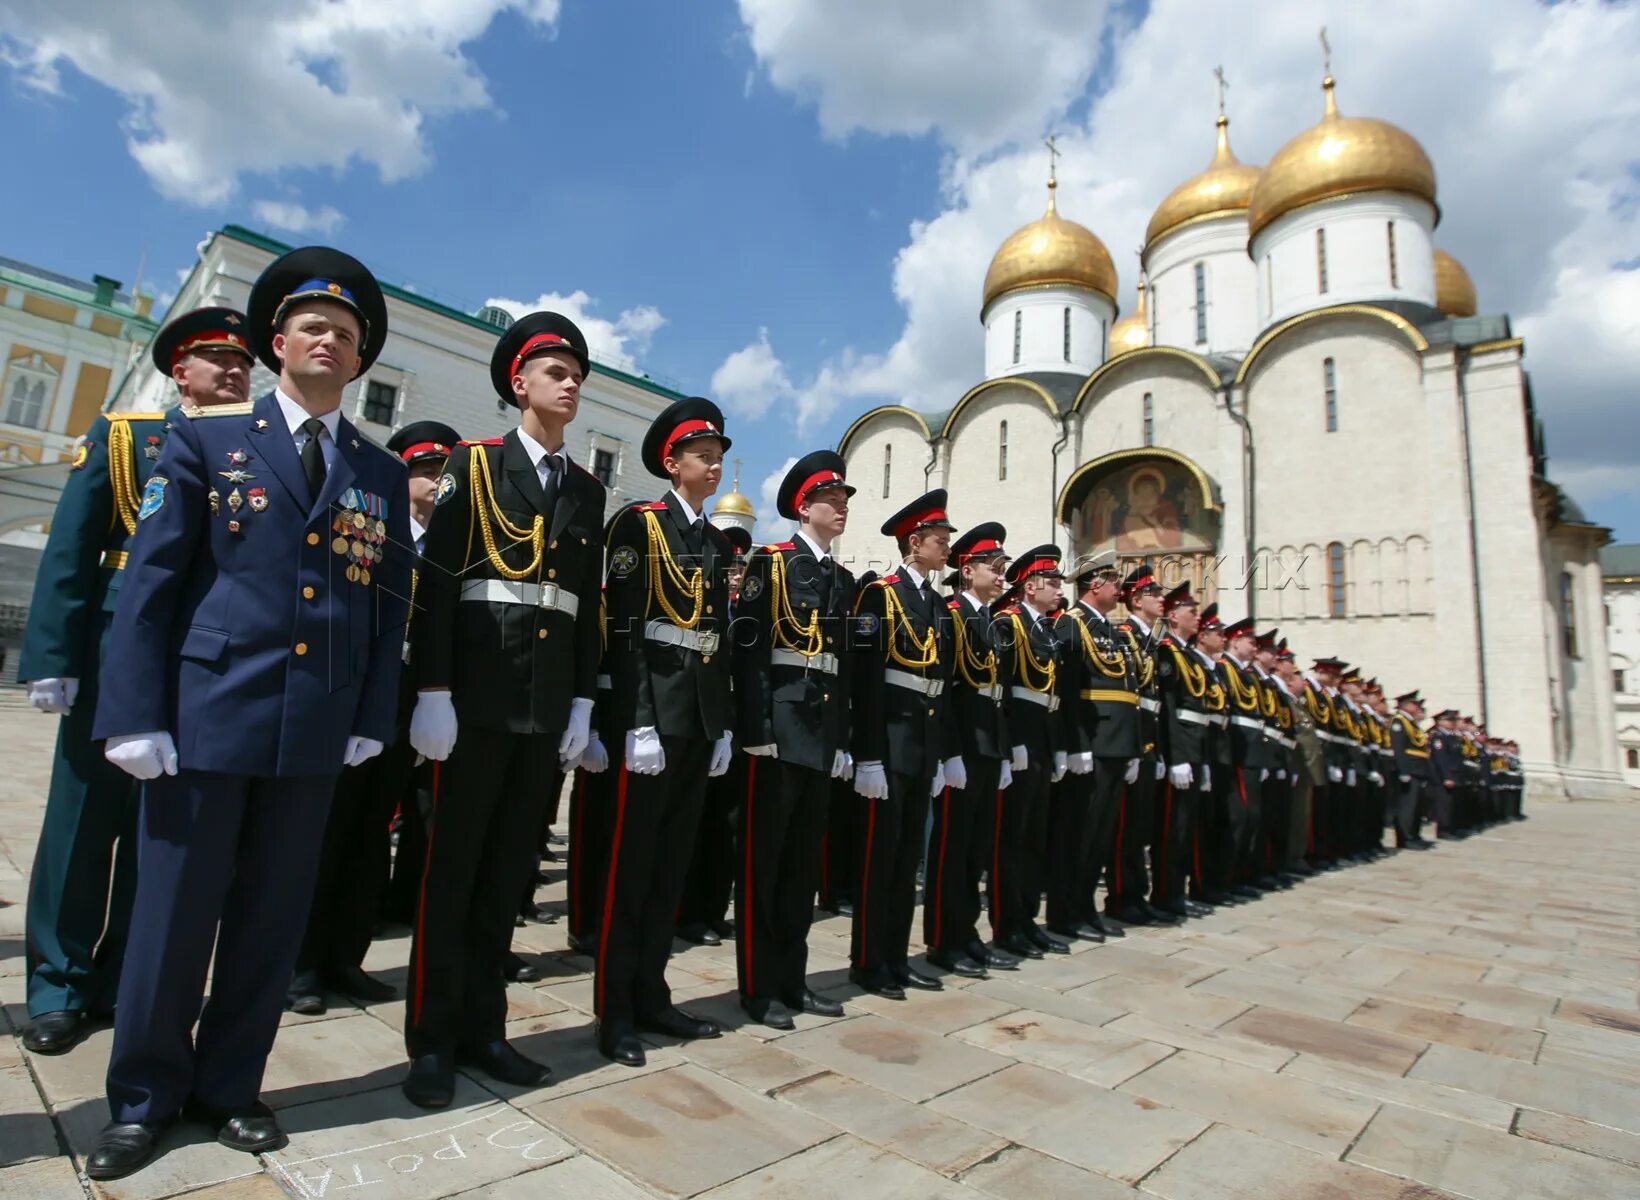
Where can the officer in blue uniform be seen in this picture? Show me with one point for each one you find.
(255, 653)
(85, 866)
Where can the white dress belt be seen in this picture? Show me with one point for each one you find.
(1249, 722)
(1191, 717)
(1046, 700)
(1150, 705)
(536, 595)
(914, 683)
(825, 663)
(664, 633)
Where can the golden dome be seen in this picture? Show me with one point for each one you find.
(1341, 156)
(1454, 290)
(1224, 189)
(1048, 252)
(1132, 332)
(734, 504)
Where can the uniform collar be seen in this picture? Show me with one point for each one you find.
(295, 415)
(689, 513)
(915, 576)
(537, 451)
(814, 547)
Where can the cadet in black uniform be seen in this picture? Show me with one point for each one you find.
(1185, 728)
(504, 652)
(902, 740)
(668, 662)
(1413, 770)
(1138, 819)
(1211, 844)
(792, 715)
(1250, 751)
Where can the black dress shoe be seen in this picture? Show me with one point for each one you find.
(621, 1045)
(501, 1062)
(724, 929)
(305, 995)
(1160, 916)
(906, 977)
(1050, 942)
(1128, 914)
(767, 1012)
(674, 1022)
(1197, 909)
(697, 934)
(1218, 896)
(878, 983)
(353, 981)
(813, 1002)
(1079, 932)
(845, 908)
(1107, 927)
(985, 956)
(1019, 944)
(1246, 891)
(517, 969)
(53, 1032)
(122, 1147)
(963, 967)
(1176, 907)
(252, 1129)
(431, 1081)
(580, 945)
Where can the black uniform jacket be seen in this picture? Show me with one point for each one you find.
(1146, 646)
(791, 603)
(978, 717)
(899, 627)
(509, 666)
(668, 587)
(1186, 723)
(1028, 653)
(1245, 704)
(1411, 746)
(1099, 685)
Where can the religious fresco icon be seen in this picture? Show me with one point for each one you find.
(1153, 506)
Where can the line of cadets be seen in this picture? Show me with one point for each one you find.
(1166, 754)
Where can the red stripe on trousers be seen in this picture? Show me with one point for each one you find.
(1161, 867)
(940, 866)
(996, 868)
(746, 930)
(421, 905)
(865, 883)
(1121, 829)
(609, 890)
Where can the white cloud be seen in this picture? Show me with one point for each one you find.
(218, 90)
(771, 526)
(615, 343)
(298, 218)
(751, 379)
(1532, 128)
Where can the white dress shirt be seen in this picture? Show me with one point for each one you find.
(539, 455)
(295, 416)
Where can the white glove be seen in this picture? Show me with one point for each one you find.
(53, 695)
(595, 758)
(1132, 771)
(956, 773)
(1161, 769)
(1264, 773)
(1405, 778)
(1281, 774)
(1207, 777)
(578, 732)
(1081, 764)
(644, 753)
(1375, 778)
(1021, 760)
(722, 754)
(1349, 777)
(360, 749)
(769, 751)
(1180, 775)
(1006, 777)
(842, 766)
(1061, 764)
(1334, 775)
(433, 725)
(939, 781)
(143, 755)
(871, 781)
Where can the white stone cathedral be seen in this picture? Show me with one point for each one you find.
(1305, 415)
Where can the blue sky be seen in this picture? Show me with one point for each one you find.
(815, 186)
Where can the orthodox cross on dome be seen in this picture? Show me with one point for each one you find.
(1223, 85)
(1052, 143)
(737, 474)
(1326, 52)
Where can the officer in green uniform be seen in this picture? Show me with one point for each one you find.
(80, 891)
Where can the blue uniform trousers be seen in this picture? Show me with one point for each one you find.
(223, 859)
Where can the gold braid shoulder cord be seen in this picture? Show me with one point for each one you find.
(1028, 661)
(490, 516)
(782, 618)
(1193, 674)
(1147, 664)
(1416, 736)
(122, 475)
(1245, 695)
(1108, 666)
(895, 616)
(968, 663)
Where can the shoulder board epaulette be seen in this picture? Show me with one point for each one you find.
(1013, 610)
(195, 411)
(952, 604)
(884, 581)
(135, 416)
(773, 546)
(479, 442)
(646, 506)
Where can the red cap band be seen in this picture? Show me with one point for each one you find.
(983, 546)
(1142, 582)
(1038, 566)
(917, 520)
(822, 479)
(531, 346)
(210, 338)
(410, 452)
(686, 429)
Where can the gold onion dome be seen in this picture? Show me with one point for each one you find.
(1131, 332)
(1224, 189)
(1050, 252)
(734, 504)
(1341, 156)
(1454, 290)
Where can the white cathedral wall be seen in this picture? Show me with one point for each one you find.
(1024, 500)
(1358, 261)
(901, 438)
(1042, 331)
(1584, 701)
(1229, 277)
(1622, 605)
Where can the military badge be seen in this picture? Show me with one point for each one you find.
(235, 500)
(151, 450)
(866, 624)
(258, 498)
(152, 497)
(753, 587)
(623, 562)
(238, 457)
(446, 488)
(236, 476)
(215, 497)
(80, 455)
(233, 526)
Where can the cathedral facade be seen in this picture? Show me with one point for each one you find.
(1307, 415)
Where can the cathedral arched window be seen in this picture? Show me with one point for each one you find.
(1150, 420)
(1067, 335)
(1104, 346)
(1019, 329)
(1002, 448)
(1568, 614)
(1201, 304)
(888, 464)
(1329, 383)
(1335, 579)
(1321, 259)
(1394, 266)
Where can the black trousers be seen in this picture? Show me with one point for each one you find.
(489, 797)
(712, 869)
(1275, 816)
(1175, 828)
(1018, 869)
(1410, 799)
(840, 849)
(959, 851)
(655, 822)
(355, 861)
(591, 826)
(891, 846)
(1210, 836)
(410, 856)
(781, 818)
(1136, 826)
(1243, 801)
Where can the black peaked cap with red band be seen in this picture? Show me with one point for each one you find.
(1210, 618)
(421, 440)
(683, 421)
(926, 511)
(1179, 597)
(740, 539)
(1267, 639)
(982, 541)
(815, 470)
(531, 335)
(1038, 560)
(201, 329)
(316, 273)
(1141, 579)
(1330, 664)
(1241, 628)
(1411, 697)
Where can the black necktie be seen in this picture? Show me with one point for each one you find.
(693, 539)
(313, 456)
(549, 483)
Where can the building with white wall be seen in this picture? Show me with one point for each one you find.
(1307, 416)
(1620, 568)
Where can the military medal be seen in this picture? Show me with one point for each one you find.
(235, 500)
(238, 457)
(215, 497)
(152, 449)
(258, 498)
(233, 526)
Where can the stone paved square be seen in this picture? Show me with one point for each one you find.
(1408, 1028)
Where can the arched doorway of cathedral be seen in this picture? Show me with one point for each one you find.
(1146, 505)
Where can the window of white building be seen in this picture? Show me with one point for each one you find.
(1201, 304)
(888, 462)
(1067, 335)
(1150, 420)
(1019, 329)
(31, 383)
(1002, 448)
(1329, 380)
(380, 401)
(1335, 579)
(1568, 614)
(1394, 266)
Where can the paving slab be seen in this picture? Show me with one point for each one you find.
(1020, 1173)
(42, 1179)
(1450, 1028)
(1386, 1052)
(1617, 1144)
(844, 1168)
(1213, 1042)
(26, 1131)
(1411, 1093)
(894, 1056)
(1098, 1055)
(912, 1131)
